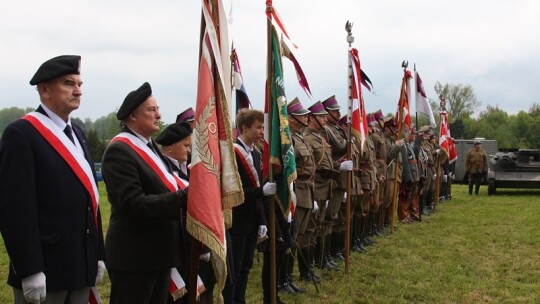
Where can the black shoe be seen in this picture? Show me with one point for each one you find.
(331, 261)
(368, 242)
(286, 288)
(359, 248)
(296, 288)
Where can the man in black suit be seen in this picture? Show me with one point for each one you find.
(248, 218)
(49, 200)
(143, 241)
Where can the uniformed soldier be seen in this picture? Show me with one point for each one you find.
(368, 182)
(380, 163)
(303, 188)
(395, 149)
(410, 177)
(325, 175)
(476, 165)
(337, 138)
(429, 153)
(356, 187)
(375, 199)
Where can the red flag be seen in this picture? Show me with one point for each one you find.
(299, 72)
(403, 115)
(446, 142)
(215, 183)
(357, 112)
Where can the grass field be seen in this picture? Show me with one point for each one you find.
(474, 249)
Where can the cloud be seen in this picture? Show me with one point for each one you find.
(487, 44)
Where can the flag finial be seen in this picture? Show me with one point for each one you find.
(404, 64)
(348, 28)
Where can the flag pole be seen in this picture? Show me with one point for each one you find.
(438, 164)
(350, 40)
(400, 120)
(415, 99)
(272, 215)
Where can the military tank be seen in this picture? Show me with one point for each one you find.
(514, 169)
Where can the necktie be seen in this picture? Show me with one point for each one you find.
(69, 133)
(149, 144)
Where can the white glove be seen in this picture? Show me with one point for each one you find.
(438, 151)
(315, 207)
(262, 230)
(344, 197)
(100, 271)
(205, 257)
(434, 177)
(445, 178)
(269, 189)
(346, 166)
(34, 288)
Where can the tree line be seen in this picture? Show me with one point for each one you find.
(521, 131)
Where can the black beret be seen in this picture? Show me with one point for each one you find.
(133, 100)
(174, 133)
(56, 67)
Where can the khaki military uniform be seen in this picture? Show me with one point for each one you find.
(303, 188)
(337, 138)
(322, 153)
(476, 164)
(395, 163)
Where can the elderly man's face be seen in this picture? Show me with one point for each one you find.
(62, 95)
(146, 117)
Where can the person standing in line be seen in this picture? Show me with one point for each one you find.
(248, 218)
(303, 189)
(143, 241)
(476, 165)
(49, 201)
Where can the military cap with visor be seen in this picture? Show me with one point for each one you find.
(317, 109)
(295, 107)
(187, 116)
(331, 103)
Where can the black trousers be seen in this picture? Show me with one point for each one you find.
(243, 252)
(144, 287)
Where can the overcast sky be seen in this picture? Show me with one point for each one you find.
(492, 45)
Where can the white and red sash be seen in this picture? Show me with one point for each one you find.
(154, 162)
(68, 151)
(250, 169)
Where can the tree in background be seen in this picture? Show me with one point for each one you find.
(9, 115)
(460, 99)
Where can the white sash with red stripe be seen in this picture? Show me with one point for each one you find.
(68, 151)
(250, 169)
(153, 160)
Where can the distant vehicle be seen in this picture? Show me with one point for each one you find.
(462, 148)
(97, 167)
(516, 169)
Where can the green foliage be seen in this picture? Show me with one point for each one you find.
(9, 115)
(460, 99)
